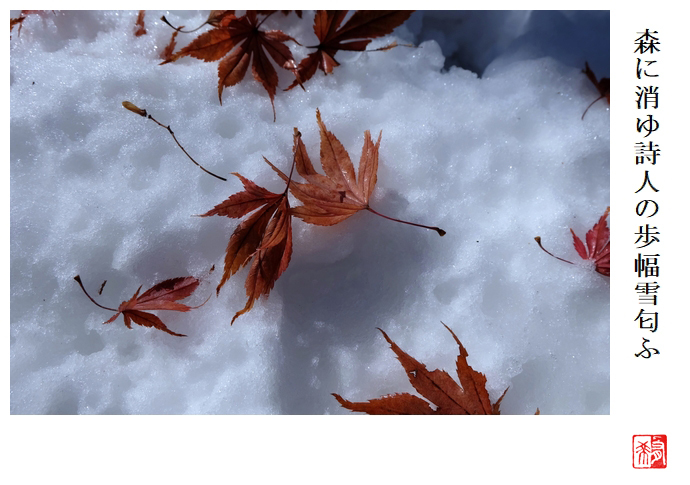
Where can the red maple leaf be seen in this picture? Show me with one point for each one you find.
(355, 35)
(597, 249)
(162, 296)
(265, 235)
(265, 238)
(331, 198)
(438, 387)
(238, 41)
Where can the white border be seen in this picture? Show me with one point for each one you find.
(646, 397)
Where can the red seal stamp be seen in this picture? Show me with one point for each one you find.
(649, 451)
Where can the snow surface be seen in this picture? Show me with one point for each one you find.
(494, 160)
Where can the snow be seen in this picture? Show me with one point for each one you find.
(495, 160)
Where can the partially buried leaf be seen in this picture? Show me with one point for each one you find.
(597, 250)
(437, 386)
(336, 196)
(331, 198)
(19, 20)
(169, 49)
(141, 29)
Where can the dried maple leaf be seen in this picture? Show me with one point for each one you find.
(331, 198)
(161, 296)
(355, 35)
(20, 20)
(15, 21)
(437, 386)
(597, 249)
(265, 236)
(602, 86)
(220, 18)
(169, 49)
(237, 41)
(141, 29)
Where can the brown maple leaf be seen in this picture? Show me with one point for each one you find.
(265, 236)
(162, 296)
(597, 249)
(140, 28)
(331, 198)
(437, 386)
(602, 85)
(20, 20)
(220, 18)
(238, 41)
(169, 49)
(17, 21)
(355, 35)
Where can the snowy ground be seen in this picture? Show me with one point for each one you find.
(494, 160)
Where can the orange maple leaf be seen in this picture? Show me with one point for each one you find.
(237, 41)
(437, 386)
(332, 198)
(597, 250)
(355, 35)
(162, 296)
(265, 236)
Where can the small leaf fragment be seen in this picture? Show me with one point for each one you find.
(141, 29)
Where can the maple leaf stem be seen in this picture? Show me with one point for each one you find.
(78, 280)
(264, 20)
(292, 168)
(182, 148)
(538, 239)
(440, 231)
(179, 29)
(590, 105)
